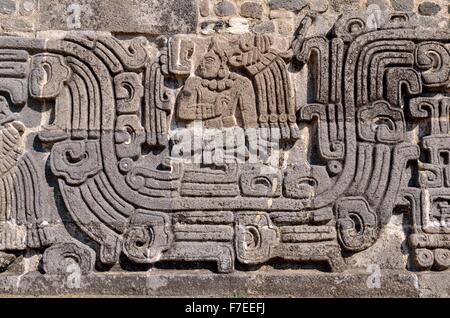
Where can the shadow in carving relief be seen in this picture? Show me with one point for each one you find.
(226, 152)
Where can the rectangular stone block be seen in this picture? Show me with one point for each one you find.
(119, 16)
(269, 283)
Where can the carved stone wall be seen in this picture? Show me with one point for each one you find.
(234, 136)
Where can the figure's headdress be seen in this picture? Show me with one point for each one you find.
(215, 47)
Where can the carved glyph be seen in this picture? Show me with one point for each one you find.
(203, 149)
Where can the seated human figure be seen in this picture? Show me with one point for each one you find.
(216, 96)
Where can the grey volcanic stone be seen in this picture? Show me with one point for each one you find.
(380, 3)
(318, 5)
(225, 9)
(429, 8)
(402, 5)
(343, 5)
(251, 10)
(268, 283)
(28, 7)
(264, 27)
(7, 6)
(122, 16)
(204, 8)
(287, 4)
(208, 27)
(5, 260)
(98, 177)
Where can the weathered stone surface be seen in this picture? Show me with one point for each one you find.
(119, 16)
(287, 4)
(238, 26)
(343, 5)
(271, 283)
(66, 257)
(225, 8)
(429, 8)
(7, 6)
(264, 27)
(5, 261)
(145, 140)
(251, 10)
(402, 5)
(205, 8)
(28, 6)
(265, 283)
(379, 4)
(318, 5)
(285, 26)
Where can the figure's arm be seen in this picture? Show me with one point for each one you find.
(188, 102)
(247, 103)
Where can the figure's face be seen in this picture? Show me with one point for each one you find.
(5, 114)
(209, 67)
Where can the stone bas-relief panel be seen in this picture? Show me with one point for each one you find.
(237, 150)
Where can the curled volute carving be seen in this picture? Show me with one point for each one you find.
(237, 148)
